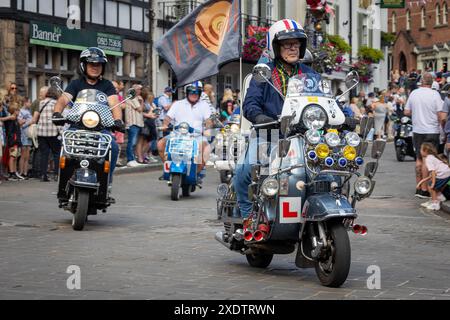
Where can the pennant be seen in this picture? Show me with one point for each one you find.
(201, 42)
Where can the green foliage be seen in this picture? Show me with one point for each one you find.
(339, 43)
(387, 38)
(370, 54)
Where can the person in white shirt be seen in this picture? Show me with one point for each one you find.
(425, 107)
(193, 111)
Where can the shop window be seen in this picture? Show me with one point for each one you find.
(48, 58)
(111, 13)
(63, 65)
(46, 7)
(32, 56)
(6, 3)
(32, 88)
(132, 66)
(87, 11)
(119, 65)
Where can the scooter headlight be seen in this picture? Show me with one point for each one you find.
(90, 119)
(270, 187)
(322, 151)
(235, 128)
(363, 185)
(313, 136)
(183, 128)
(353, 139)
(349, 153)
(332, 139)
(314, 117)
(404, 120)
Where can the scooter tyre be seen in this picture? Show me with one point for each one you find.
(80, 215)
(259, 260)
(175, 188)
(341, 258)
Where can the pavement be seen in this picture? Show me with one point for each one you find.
(149, 247)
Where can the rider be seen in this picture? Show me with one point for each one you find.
(92, 66)
(286, 45)
(193, 111)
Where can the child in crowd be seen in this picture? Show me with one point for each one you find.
(438, 178)
(13, 140)
(25, 118)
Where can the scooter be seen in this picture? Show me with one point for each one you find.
(180, 168)
(85, 161)
(301, 193)
(403, 139)
(228, 146)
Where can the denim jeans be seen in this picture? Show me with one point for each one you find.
(243, 176)
(133, 134)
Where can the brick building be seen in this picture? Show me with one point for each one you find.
(422, 35)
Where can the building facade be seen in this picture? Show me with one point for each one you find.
(422, 36)
(44, 38)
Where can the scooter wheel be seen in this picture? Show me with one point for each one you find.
(175, 188)
(80, 215)
(259, 260)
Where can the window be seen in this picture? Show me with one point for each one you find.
(6, 3)
(269, 9)
(146, 23)
(48, 58)
(124, 16)
(132, 66)
(63, 63)
(438, 15)
(119, 71)
(32, 88)
(111, 13)
(136, 18)
(408, 20)
(394, 22)
(98, 9)
(87, 11)
(423, 18)
(61, 8)
(46, 7)
(30, 5)
(32, 56)
(444, 14)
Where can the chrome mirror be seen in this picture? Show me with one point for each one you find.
(261, 72)
(371, 169)
(378, 148)
(361, 149)
(283, 147)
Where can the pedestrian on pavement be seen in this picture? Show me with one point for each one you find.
(25, 118)
(227, 104)
(13, 140)
(48, 133)
(439, 175)
(425, 106)
(148, 132)
(164, 103)
(120, 136)
(209, 97)
(134, 122)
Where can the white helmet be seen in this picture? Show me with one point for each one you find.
(282, 30)
(196, 86)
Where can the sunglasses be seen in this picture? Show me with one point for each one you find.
(13, 88)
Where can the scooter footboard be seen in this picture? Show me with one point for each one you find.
(326, 206)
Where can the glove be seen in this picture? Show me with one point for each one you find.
(262, 118)
(119, 126)
(58, 119)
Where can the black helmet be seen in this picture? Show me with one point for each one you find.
(92, 55)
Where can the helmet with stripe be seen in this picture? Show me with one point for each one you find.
(195, 87)
(283, 30)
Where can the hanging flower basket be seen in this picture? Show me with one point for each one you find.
(255, 44)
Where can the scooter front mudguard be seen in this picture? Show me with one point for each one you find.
(325, 206)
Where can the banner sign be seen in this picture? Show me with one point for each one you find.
(392, 4)
(50, 35)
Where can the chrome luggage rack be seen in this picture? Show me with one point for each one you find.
(87, 144)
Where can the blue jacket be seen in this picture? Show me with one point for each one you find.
(261, 98)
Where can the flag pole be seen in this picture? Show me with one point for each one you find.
(240, 58)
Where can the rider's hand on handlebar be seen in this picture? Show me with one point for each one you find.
(58, 119)
(119, 125)
(262, 118)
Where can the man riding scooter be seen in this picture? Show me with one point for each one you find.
(194, 112)
(286, 46)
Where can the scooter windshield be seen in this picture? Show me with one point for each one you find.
(91, 100)
(308, 84)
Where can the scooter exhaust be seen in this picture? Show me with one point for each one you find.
(219, 237)
(359, 229)
(261, 233)
(248, 235)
